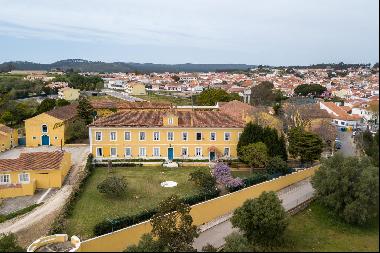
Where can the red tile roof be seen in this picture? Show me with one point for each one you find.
(33, 161)
(109, 104)
(5, 129)
(64, 112)
(196, 119)
(340, 112)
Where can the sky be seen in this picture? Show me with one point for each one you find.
(270, 32)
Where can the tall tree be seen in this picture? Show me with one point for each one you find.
(305, 145)
(46, 105)
(255, 155)
(349, 186)
(310, 89)
(85, 110)
(263, 94)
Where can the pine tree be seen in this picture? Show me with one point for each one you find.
(85, 110)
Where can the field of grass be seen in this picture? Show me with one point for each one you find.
(153, 97)
(144, 192)
(316, 229)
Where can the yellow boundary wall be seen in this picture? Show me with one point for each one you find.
(23, 190)
(202, 213)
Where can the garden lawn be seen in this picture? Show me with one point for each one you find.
(315, 229)
(144, 192)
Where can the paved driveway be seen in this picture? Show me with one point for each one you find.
(348, 146)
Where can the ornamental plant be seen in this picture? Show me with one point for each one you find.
(223, 176)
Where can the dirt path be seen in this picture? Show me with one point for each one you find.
(35, 224)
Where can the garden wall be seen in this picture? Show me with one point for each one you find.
(201, 213)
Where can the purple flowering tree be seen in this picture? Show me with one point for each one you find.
(223, 176)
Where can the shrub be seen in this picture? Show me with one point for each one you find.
(18, 213)
(8, 243)
(113, 186)
(57, 226)
(209, 248)
(236, 242)
(222, 174)
(262, 220)
(203, 180)
(107, 226)
(255, 155)
(348, 186)
(277, 165)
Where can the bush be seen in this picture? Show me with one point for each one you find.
(255, 155)
(236, 242)
(209, 248)
(203, 180)
(8, 243)
(108, 226)
(58, 225)
(113, 186)
(223, 176)
(76, 130)
(262, 220)
(18, 213)
(349, 186)
(277, 165)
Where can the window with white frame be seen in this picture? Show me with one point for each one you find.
(113, 152)
(170, 136)
(113, 136)
(98, 136)
(5, 179)
(227, 136)
(184, 136)
(212, 136)
(128, 152)
(184, 152)
(142, 136)
(127, 136)
(23, 178)
(198, 151)
(156, 151)
(156, 136)
(226, 152)
(99, 152)
(142, 151)
(170, 121)
(198, 136)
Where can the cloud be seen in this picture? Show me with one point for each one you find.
(260, 31)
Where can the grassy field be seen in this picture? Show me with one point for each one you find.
(144, 192)
(315, 229)
(153, 97)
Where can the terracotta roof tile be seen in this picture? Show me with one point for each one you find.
(33, 161)
(64, 112)
(154, 119)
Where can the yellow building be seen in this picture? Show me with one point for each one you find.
(48, 128)
(135, 88)
(41, 170)
(169, 135)
(68, 93)
(8, 137)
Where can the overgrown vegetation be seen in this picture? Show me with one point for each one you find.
(81, 82)
(213, 95)
(8, 243)
(18, 213)
(113, 186)
(349, 186)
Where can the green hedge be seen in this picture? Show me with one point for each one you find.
(58, 224)
(122, 164)
(17, 213)
(108, 225)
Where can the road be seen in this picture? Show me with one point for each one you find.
(35, 224)
(122, 95)
(291, 197)
(348, 146)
